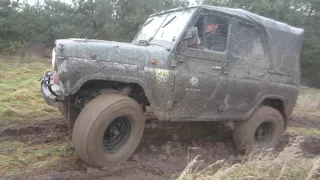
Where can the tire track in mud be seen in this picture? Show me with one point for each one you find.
(297, 121)
(164, 151)
(36, 133)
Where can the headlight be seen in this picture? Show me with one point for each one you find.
(53, 61)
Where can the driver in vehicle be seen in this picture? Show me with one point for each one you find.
(214, 36)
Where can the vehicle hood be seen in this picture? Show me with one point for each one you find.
(124, 53)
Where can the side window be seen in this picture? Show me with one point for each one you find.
(213, 33)
(245, 41)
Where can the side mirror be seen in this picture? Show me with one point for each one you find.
(192, 32)
(192, 37)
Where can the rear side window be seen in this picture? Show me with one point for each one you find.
(246, 41)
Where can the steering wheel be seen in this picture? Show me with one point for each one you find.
(209, 41)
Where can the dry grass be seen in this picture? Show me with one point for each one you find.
(308, 103)
(20, 97)
(289, 164)
(304, 131)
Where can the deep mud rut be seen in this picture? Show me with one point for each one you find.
(163, 153)
(32, 134)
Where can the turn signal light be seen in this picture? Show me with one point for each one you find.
(154, 61)
(56, 78)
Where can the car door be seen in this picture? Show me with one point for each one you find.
(200, 78)
(248, 69)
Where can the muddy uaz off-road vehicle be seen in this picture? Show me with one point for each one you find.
(201, 63)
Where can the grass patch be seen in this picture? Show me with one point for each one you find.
(21, 103)
(20, 97)
(308, 103)
(17, 157)
(289, 164)
(304, 131)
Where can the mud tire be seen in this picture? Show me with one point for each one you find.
(74, 113)
(94, 119)
(244, 133)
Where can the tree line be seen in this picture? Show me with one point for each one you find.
(46, 20)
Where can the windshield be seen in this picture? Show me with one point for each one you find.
(164, 28)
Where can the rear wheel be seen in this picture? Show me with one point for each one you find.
(108, 130)
(262, 131)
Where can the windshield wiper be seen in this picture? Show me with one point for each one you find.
(143, 43)
(148, 22)
(169, 21)
(151, 38)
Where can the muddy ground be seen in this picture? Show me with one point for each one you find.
(163, 153)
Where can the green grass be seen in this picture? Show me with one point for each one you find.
(21, 103)
(17, 157)
(20, 97)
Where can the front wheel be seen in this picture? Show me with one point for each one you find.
(108, 130)
(64, 110)
(262, 131)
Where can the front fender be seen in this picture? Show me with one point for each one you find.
(157, 83)
(104, 77)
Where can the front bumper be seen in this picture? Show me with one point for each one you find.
(50, 90)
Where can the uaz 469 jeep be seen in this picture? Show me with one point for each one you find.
(201, 63)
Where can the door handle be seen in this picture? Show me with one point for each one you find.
(216, 67)
(261, 74)
(219, 68)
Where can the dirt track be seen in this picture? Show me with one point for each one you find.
(163, 153)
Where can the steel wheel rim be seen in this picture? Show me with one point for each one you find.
(264, 133)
